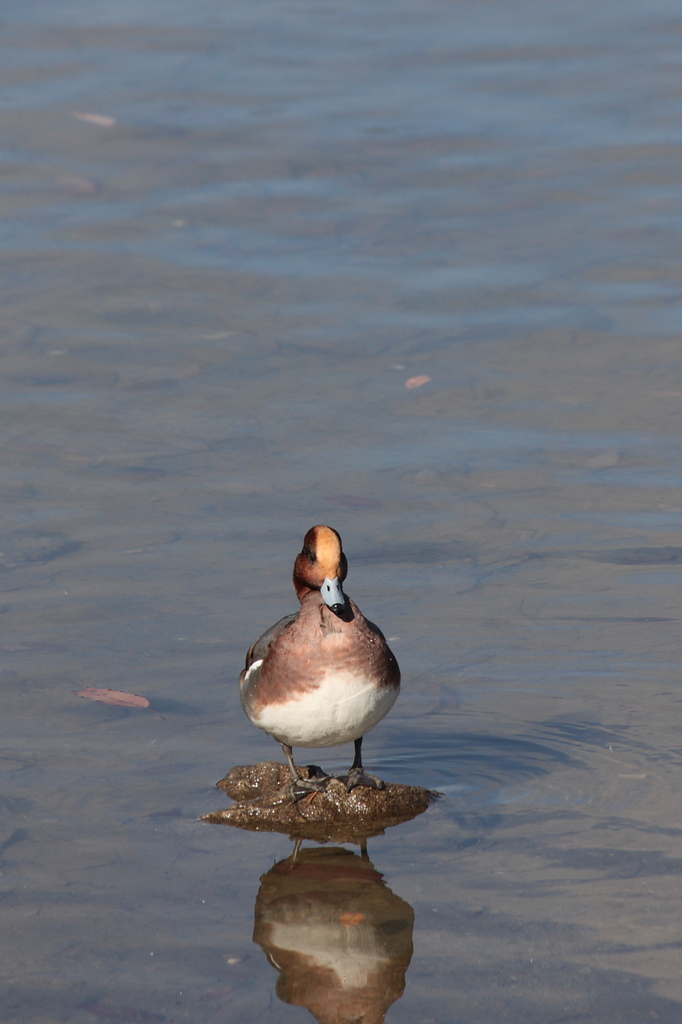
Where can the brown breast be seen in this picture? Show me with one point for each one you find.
(319, 643)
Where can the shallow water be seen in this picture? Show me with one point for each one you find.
(210, 310)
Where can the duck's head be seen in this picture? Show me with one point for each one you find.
(322, 566)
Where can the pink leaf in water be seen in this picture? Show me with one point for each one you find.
(216, 993)
(118, 697)
(103, 120)
(416, 382)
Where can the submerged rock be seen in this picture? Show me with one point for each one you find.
(263, 804)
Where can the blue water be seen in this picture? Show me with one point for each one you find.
(211, 309)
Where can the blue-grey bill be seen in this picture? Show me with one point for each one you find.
(332, 592)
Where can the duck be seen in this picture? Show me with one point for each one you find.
(324, 675)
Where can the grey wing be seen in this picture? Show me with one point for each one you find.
(259, 651)
(392, 667)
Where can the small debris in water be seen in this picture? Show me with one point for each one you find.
(216, 993)
(416, 382)
(103, 120)
(117, 697)
(122, 1013)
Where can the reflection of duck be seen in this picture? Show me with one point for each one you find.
(340, 939)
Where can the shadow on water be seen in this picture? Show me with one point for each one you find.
(339, 938)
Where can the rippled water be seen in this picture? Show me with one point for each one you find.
(210, 310)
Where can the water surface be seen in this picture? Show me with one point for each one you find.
(210, 309)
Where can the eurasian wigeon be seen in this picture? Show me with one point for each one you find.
(324, 675)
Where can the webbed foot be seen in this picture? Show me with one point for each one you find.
(315, 783)
(359, 777)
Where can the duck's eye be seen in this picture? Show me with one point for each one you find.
(311, 555)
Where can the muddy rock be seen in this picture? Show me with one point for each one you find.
(264, 804)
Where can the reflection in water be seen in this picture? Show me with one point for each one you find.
(340, 939)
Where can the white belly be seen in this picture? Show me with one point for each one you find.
(343, 708)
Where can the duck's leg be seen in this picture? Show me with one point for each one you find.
(301, 787)
(357, 776)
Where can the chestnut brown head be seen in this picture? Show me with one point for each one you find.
(322, 566)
